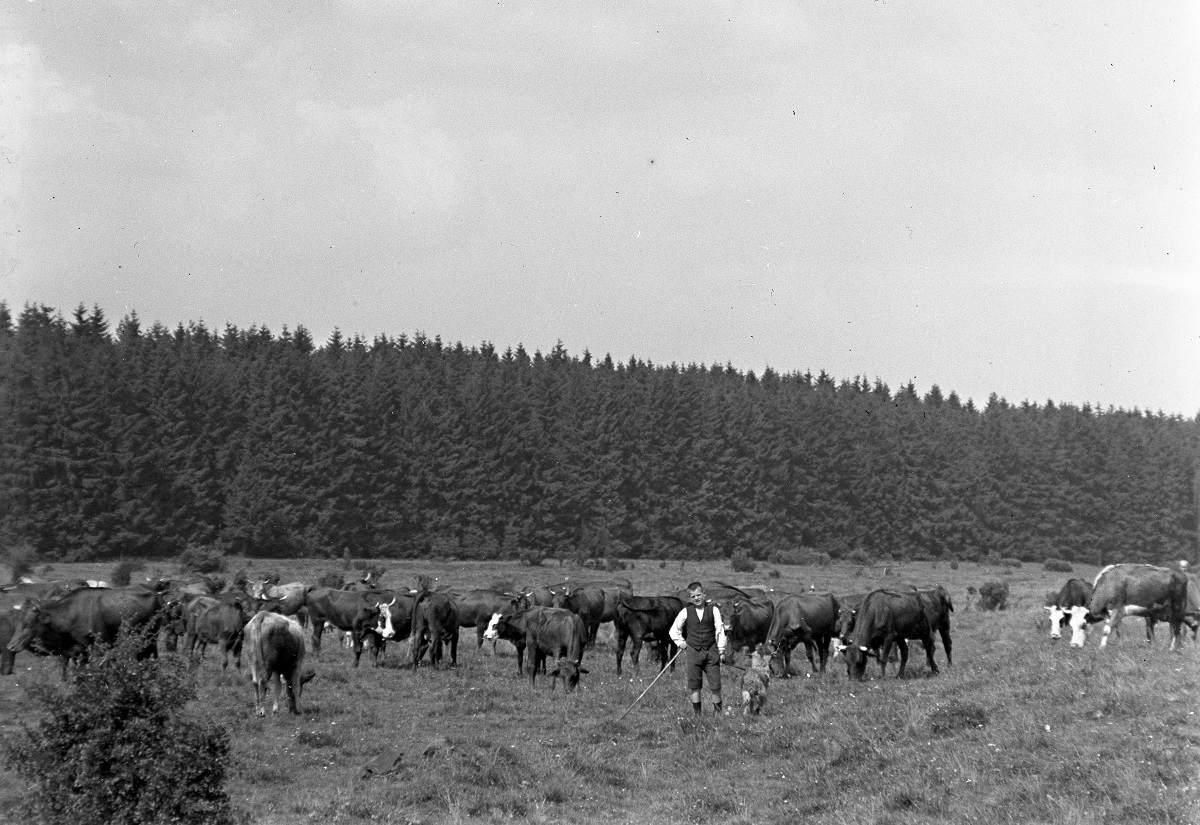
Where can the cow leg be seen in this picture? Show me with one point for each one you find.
(928, 642)
(454, 648)
(623, 634)
(318, 627)
(358, 647)
(260, 696)
(902, 646)
(945, 633)
(520, 658)
(295, 684)
(1115, 614)
(808, 651)
(823, 651)
(276, 680)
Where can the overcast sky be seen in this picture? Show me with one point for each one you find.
(990, 197)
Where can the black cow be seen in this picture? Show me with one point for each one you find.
(938, 608)
(587, 603)
(646, 618)
(476, 608)
(393, 622)
(277, 655)
(68, 626)
(355, 611)
(434, 624)
(553, 631)
(810, 618)
(220, 623)
(1075, 593)
(885, 619)
(720, 592)
(747, 622)
(509, 624)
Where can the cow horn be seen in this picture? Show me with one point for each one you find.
(389, 604)
(863, 649)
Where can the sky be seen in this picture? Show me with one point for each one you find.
(993, 198)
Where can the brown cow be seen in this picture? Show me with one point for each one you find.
(276, 645)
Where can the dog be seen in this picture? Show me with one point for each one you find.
(755, 682)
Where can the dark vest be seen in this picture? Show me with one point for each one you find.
(699, 629)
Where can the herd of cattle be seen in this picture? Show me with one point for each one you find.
(559, 622)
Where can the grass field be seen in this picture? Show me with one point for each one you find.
(1019, 730)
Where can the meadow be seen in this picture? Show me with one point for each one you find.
(1018, 730)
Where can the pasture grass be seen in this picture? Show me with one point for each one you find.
(1019, 730)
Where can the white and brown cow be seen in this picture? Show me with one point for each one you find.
(1120, 590)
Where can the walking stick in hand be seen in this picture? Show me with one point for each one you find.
(656, 678)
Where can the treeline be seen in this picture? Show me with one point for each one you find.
(147, 442)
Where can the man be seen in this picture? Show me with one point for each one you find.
(699, 623)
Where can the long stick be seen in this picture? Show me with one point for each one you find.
(656, 678)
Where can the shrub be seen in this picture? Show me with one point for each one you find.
(116, 746)
(531, 558)
(993, 596)
(774, 574)
(1008, 562)
(741, 562)
(858, 557)
(123, 572)
(1057, 566)
(20, 562)
(201, 560)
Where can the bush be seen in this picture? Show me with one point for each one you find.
(116, 746)
(20, 562)
(1057, 566)
(741, 562)
(123, 572)
(1009, 562)
(993, 596)
(858, 557)
(201, 560)
(531, 558)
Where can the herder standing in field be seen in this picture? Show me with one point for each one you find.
(700, 624)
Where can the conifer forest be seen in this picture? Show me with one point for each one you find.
(146, 441)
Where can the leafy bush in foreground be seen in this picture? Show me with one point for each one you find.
(115, 747)
(993, 596)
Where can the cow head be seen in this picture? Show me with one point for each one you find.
(25, 632)
(1079, 622)
(569, 672)
(383, 626)
(1057, 614)
(493, 629)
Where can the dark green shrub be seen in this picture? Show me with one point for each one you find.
(116, 746)
(1057, 566)
(20, 562)
(201, 560)
(993, 596)
(741, 562)
(858, 557)
(124, 570)
(531, 558)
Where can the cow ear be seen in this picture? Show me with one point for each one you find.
(583, 670)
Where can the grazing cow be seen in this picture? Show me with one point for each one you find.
(646, 618)
(476, 608)
(212, 621)
(587, 603)
(1075, 593)
(938, 608)
(810, 618)
(351, 610)
(434, 624)
(276, 645)
(1155, 593)
(747, 623)
(68, 626)
(755, 682)
(885, 619)
(720, 592)
(553, 631)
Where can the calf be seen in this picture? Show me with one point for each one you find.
(552, 631)
(277, 656)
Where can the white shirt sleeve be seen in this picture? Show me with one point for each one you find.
(720, 627)
(677, 628)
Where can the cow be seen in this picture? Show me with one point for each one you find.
(934, 598)
(888, 618)
(291, 597)
(393, 621)
(476, 608)
(646, 618)
(1119, 590)
(720, 592)
(810, 618)
(747, 622)
(434, 624)
(613, 590)
(587, 603)
(355, 611)
(276, 644)
(553, 631)
(67, 627)
(509, 624)
(212, 621)
(1075, 593)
